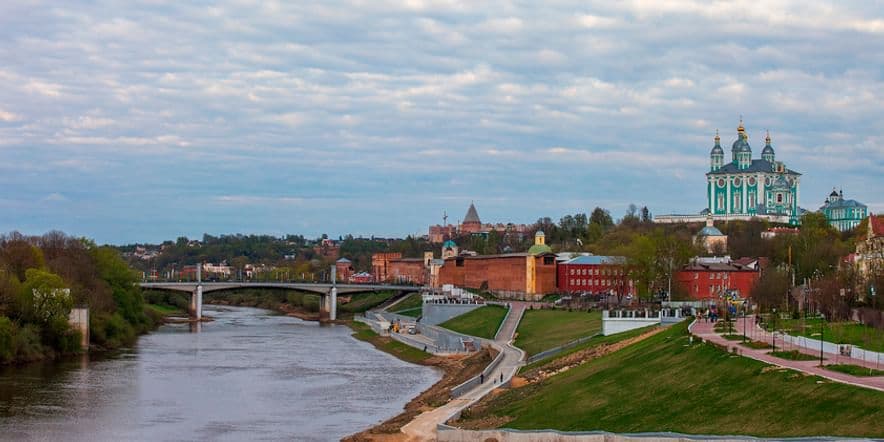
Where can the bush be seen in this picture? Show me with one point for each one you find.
(27, 344)
(7, 336)
(58, 335)
(111, 331)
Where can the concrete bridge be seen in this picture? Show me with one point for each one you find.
(328, 292)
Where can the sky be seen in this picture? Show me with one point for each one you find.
(141, 121)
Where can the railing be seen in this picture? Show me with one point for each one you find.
(556, 350)
(471, 383)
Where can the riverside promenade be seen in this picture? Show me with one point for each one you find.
(705, 330)
(424, 426)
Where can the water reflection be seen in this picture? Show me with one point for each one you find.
(246, 375)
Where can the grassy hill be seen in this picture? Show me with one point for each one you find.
(544, 329)
(482, 322)
(664, 383)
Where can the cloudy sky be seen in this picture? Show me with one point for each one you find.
(146, 120)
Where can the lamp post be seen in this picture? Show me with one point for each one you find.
(822, 319)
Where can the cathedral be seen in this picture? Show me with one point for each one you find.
(745, 187)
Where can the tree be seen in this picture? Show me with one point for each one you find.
(601, 218)
(646, 215)
(772, 288)
(44, 297)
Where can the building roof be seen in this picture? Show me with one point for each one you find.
(596, 260)
(503, 255)
(449, 244)
(841, 204)
(538, 249)
(472, 216)
(710, 231)
(756, 166)
(343, 260)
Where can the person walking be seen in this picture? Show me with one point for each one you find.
(482, 378)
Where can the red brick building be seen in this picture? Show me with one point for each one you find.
(519, 275)
(407, 270)
(595, 274)
(380, 265)
(343, 269)
(709, 278)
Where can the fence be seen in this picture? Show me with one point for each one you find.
(556, 350)
(476, 380)
(832, 348)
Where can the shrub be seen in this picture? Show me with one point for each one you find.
(27, 345)
(7, 336)
(58, 335)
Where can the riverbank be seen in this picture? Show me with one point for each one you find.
(455, 369)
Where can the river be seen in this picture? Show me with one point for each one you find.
(248, 375)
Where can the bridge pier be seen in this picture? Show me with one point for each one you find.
(196, 303)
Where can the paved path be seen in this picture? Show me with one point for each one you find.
(423, 427)
(705, 330)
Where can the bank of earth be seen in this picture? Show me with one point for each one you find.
(669, 382)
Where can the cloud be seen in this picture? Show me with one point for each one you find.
(363, 109)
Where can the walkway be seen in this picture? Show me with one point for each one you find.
(705, 330)
(423, 427)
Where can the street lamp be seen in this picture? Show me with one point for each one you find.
(822, 319)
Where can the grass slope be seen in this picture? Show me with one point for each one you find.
(482, 322)
(410, 354)
(544, 329)
(665, 384)
(363, 302)
(855, 370)
(410, 306)
(594, 342)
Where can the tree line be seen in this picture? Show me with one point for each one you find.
(43, 277)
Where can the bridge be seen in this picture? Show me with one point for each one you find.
(328, 292)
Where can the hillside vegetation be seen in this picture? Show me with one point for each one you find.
(666, 383)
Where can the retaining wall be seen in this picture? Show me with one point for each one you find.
(437, 313)
(446, 433)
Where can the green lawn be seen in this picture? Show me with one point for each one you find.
(482, 322)
(854, 370)
(595, 341)
(362, 302)
(410, 306)
(664, 383)
(793, 355)
(544, 329)
(838, 332)
(164, 309)
(407, 353)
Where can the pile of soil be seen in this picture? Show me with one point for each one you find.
(456, 370)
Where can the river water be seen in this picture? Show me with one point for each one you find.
(249, 375)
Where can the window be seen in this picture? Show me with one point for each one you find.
(696, 275)
(458, 262)
(549, 260)
(779, 197)
(572, 272)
